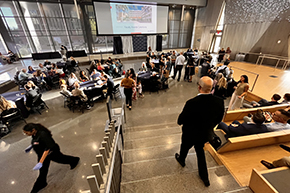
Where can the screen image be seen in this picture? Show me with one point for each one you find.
(120, 18)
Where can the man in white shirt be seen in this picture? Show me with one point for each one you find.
(280, 117)
(42, 68)
(179, 63)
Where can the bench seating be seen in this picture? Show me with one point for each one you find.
(240, 113)
(250, 141)
(270, 181)
(252, 97)
(241, 162)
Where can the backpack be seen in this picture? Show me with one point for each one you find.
(223, 71)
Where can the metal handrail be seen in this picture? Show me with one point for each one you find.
(110, 174)
(257, 76)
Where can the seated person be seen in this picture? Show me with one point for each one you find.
(237, 129)
(109, 61)
(73, 62)
(30, 94)
(6, 104)
(100, 67)
(23, 75)
(31, 70)
(93, 65)
(47, 64)
(263, 102)
(280, 117)
(286, 99)
(5, 58)
(11, 55)
(285, 161)
(95, 74)
(143, 67)
(78, 92)
(42, 68)
(153, 68)
(119, 65)
(112, 69)
(60, 72)
(72, 79)
(83, 76)
(64, 90)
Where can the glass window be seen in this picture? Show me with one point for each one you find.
(164, 41)
(70, 10)
(99, 44)
(23, 46)
(110, 43)
(3, 48)
(51, 9)
(61, 40)
(78, 43)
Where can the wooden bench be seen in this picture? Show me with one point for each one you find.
(240, 113)
(252, 97)
(260, 183)
(250, 141)
(241, 162)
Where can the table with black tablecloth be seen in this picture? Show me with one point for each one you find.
(18, 97)
(144, 77)
(91, 89)
(13, 96)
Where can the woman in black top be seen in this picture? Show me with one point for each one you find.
(220, 89)
(83, 76)
(47, 150)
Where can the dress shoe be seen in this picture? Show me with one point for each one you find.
(267, 164)
(206, 183)
(179, 161)
(285, 147)
(72, 166)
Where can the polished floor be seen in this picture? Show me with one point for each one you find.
(81, 134)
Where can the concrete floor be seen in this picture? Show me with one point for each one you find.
(81, 135)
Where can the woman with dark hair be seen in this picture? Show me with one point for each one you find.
(30, 70)
(128, 83)
(240, 91)
(134, 77)
(47, 150)
(83, 76)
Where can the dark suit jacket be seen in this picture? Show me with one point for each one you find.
(199, 116)
(245, 129)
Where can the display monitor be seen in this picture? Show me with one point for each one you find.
(125, 18)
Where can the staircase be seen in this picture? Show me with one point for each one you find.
(150, 166)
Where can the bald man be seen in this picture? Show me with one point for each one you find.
(198, 117)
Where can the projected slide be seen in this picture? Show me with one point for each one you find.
(133, 18)
(125, 18)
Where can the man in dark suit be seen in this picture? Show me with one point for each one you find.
(237, 129)
(198, 117)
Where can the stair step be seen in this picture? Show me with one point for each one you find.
(152, 133)
(159, 167)
(241, 190)
(183, 182)
(152, 141)
(154, 152)
(150, 127)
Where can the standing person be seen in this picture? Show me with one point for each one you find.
(198, 117)
(228, 53)
(173, 59)
(128, 84)
(221, 55)
(47, 150)
(179, 63)
(63, 51)
(239, 94)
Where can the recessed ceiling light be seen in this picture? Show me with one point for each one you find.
(279, 41)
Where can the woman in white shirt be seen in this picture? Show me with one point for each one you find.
(6, 104)
(72, 79)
